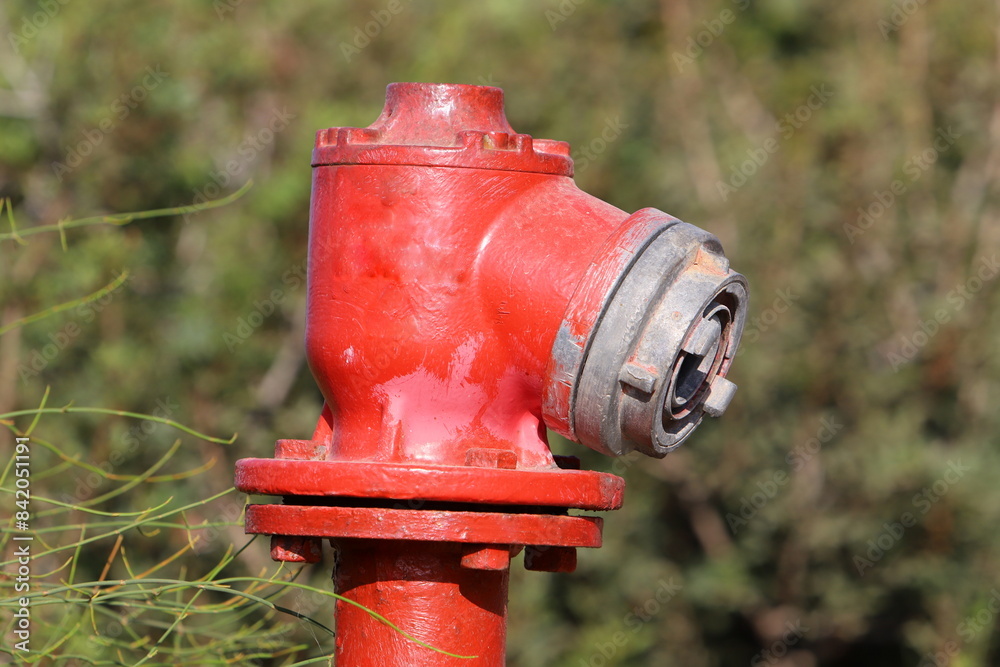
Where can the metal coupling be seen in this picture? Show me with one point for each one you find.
(655, 359)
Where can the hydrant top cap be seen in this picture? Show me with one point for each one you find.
(432, 114)
(446, 125)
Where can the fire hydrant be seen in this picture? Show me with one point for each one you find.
(463, 295)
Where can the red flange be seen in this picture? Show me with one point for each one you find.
(579, 489)
(378, 523)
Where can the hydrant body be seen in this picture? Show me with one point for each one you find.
(427, 328)
(464, 294)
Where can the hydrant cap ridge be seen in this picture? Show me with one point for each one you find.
(421, 114)
(442, 125)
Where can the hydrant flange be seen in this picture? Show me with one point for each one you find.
(415, 484)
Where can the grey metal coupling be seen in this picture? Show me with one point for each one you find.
(655, 360)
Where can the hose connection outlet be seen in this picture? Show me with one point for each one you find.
(643, 372)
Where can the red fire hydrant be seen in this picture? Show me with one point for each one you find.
(463, 295)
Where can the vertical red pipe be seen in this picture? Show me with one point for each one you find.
(422, 587)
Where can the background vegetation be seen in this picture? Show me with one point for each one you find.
(843, 511)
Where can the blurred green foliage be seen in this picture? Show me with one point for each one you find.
(845, 153)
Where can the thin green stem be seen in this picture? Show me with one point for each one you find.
(58, 308)
(120, 219)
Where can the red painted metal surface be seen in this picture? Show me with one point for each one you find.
(425, 525)
(463, 484)
(425, 590)
(456, 275)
